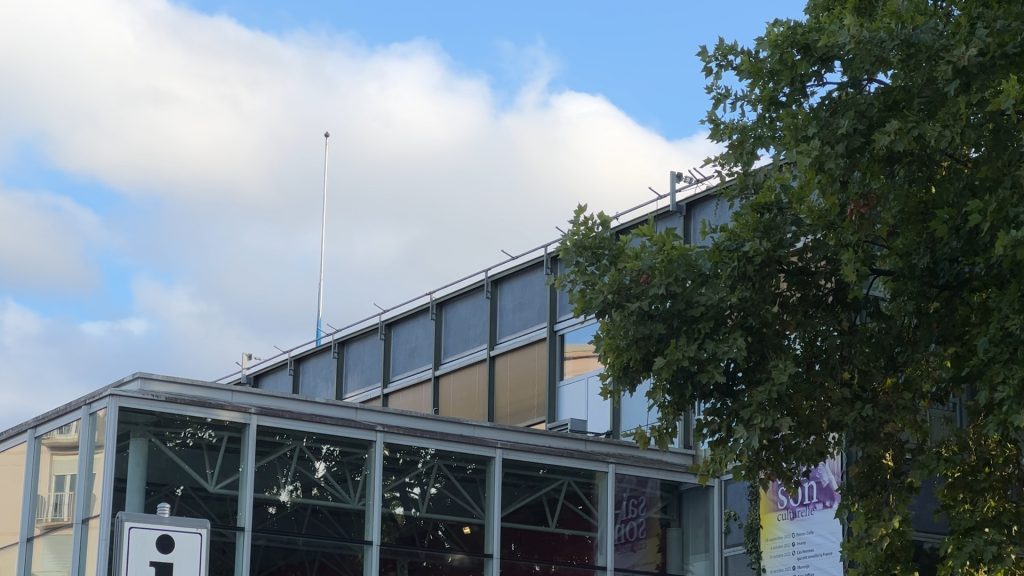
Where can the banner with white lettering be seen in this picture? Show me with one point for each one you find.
(800, 534)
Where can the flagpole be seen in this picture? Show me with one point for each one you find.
(323, 236)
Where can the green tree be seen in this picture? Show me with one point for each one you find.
(873, 271)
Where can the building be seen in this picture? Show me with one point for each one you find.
(461, 432)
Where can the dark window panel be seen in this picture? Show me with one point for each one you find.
(464, 324)
(364, 357)
(316, 375)
(522, 301)
(412, 344)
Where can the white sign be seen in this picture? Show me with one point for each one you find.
(800, 534)
(158, 546)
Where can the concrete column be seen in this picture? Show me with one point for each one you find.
(138, 462)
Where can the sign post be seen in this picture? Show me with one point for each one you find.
(151, 545)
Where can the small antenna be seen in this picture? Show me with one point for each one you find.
(323, 236)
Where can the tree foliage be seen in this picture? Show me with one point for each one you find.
(873, 272)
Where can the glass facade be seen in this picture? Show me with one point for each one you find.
(522, 302)
(51, 541)
(194, 464)
(309, 503)
(433, 517)
(551, 519)
(12, 491)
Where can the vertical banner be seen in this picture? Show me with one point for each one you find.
(800, 534)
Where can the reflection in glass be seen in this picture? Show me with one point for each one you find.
(434, 500)
(403, 562)
(12, 484)
(51, 553)
(578, 353)
(661, 527)
(90, 547)
(301, 556)
(191, 463)
(57, 483)
(550, 519)
(309, 484)
(94, 465)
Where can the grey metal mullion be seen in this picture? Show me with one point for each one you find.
(371, 566)
(553, 352)
(246, 482)
(85, 448)
(435, 388)
(296, 372)
(27, 499)
(106, 495)
(339, 371)
(492, 339)
(492, 534)
(608, 528)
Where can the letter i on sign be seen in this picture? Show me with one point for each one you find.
(164, 545)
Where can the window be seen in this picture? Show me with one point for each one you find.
(276, 380)
(578, 394)
(520, 384)
(550, 520)
(309, 502)
(364, 357)
(317, 373)
(412, 344)
(522, 302)
(12, 477)
(464, 323)
(463, 393)
(705, 213)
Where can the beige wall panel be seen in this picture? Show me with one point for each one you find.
(416, 398)
(520, 384)
(372, 402)
(463, 393)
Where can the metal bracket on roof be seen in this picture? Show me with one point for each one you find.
(433, 307)
(547, 262)
(487, 285)
(291, 363)
(380, 326)
(335, 351)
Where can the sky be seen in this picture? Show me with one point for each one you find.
(161, 162)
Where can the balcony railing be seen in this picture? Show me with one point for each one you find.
(55, 507)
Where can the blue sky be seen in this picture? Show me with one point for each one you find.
(160, 162)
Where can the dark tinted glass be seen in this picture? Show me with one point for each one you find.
(464, 324)
(364, 357)
(522, 301)
(412, 344)
(316, 375)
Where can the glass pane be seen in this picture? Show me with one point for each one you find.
(520, 384)
(581, 398)
(711, 211)
(277, 380)
(578, 353)
(415, 398)
(412, 344)
(634, 409)
(434, 499)
(522, 302)
(90, 547)
(662, 527)
(12, 478)
(463, 393)
(189, 462)
(737, 565)
(294, 556)
(564, 309)
(317, 374)
(423, 563)
(51, 553)
(550, 516)
(94, 467)
(58, 472)
(464, 324)
(310, 484)
(737, 511)
(363, 361)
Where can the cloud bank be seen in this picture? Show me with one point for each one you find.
(208, 134)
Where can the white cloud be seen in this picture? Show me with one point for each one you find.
(211, 134)
(45, 242)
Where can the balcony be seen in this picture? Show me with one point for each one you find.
(55, 508)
